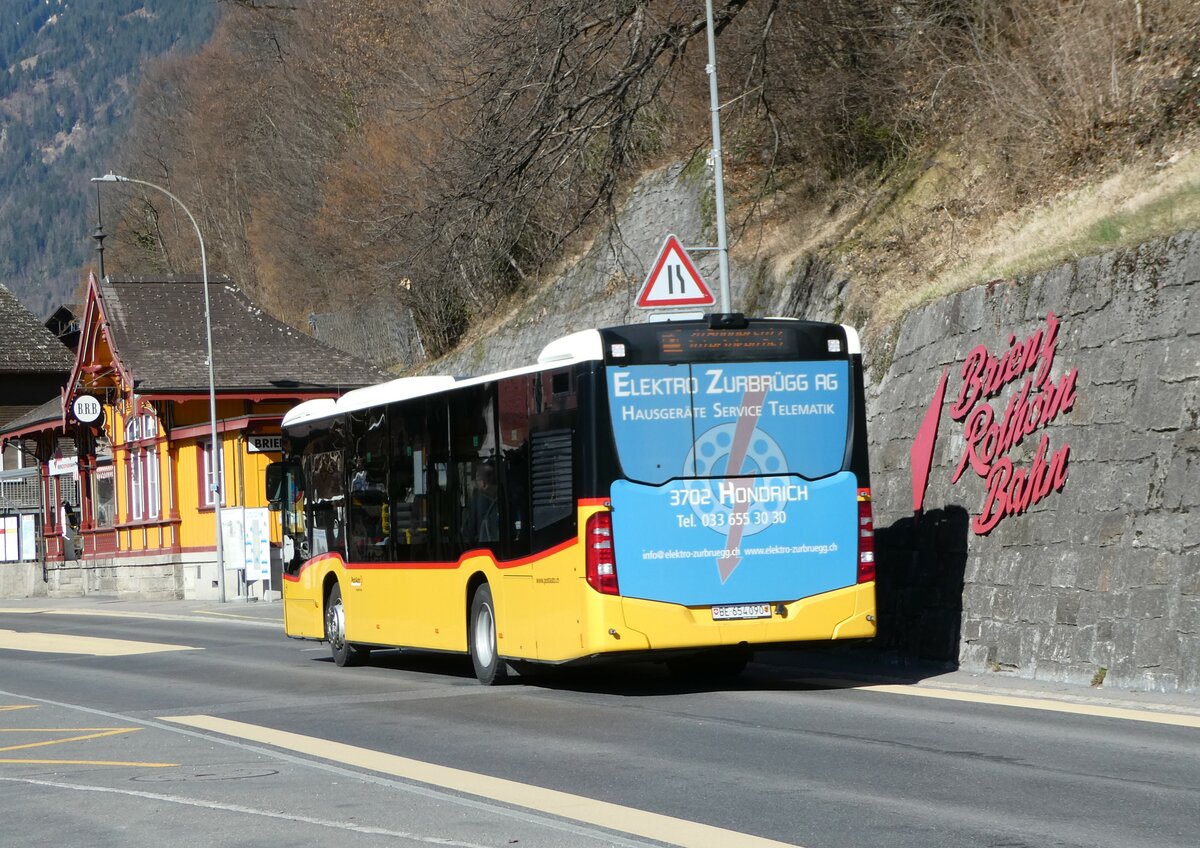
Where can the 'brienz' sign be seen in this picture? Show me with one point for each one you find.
(1018, 380)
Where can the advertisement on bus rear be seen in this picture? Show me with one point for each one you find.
(734, 489)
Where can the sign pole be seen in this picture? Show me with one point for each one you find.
(718, 169)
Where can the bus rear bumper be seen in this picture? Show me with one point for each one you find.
(842, 614)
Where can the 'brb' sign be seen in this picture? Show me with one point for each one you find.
(1019, 381)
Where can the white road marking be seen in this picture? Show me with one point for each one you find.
(629, 820)
(238, 808)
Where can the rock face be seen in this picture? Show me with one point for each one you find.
(1066, 548)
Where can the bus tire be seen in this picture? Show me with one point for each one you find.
(490, 669)
(344, 653)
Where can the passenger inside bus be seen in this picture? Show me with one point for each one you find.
(481, 519)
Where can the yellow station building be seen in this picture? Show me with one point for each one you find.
(141, 518)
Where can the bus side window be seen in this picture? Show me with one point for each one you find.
(369, 540)
(442, 514)
(473, 449)
(324, 480)
(408, 516)
(293, 518)
(553, 499)
(513, 407)
(553, 405)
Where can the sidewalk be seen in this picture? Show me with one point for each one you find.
(836, 666)
(258, 611)
(860, 667)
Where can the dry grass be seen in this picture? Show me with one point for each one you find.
(1138, 202)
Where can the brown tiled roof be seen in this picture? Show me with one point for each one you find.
(48, 412)
(25, 344)
(158, 329)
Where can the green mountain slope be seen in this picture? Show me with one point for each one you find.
(67, 74)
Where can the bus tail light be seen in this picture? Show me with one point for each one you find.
(866, 537)
(601, 558)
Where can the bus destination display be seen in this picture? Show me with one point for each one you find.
(690, 343)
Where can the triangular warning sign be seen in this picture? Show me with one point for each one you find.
(674, 280)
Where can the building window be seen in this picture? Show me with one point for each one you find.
(104, 496)
(206, 474)
(145, 483)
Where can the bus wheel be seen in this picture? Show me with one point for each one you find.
(481, 636)
(343, 652)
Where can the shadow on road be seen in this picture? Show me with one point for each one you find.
(770, 671)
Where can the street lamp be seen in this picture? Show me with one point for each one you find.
(217, 460)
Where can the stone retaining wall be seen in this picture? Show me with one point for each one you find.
(1100, 581)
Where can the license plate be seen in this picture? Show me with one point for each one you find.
(729, 612)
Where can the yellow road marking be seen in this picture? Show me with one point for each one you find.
(113, 732)
(4, 709)
(90, 763)
(91, 733)
(1175, 719)
(61, 729)
(666, 829)
(57, 643)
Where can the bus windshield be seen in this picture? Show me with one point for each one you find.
(730, 419)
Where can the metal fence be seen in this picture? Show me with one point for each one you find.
(21, 490)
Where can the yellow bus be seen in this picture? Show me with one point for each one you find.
(681, 491)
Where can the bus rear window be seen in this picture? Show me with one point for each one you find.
(730, 419)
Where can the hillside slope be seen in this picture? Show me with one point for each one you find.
(67, 73)
(885, 140)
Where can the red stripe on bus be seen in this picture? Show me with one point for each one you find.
(594, 501)
(295, 578)
(435, 564)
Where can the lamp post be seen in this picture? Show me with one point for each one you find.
(217, 460)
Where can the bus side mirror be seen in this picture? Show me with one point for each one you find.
(276, 476)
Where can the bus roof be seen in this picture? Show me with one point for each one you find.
(577, 347)
(584, 346)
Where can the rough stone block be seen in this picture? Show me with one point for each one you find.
(977, 656)
(1168, 531)
(1090, 605)
(1037, 607)
(1189, 573)
(1104, 404)
(1189, 663)
(1008, 647)
(1059, 643)
(1067, 611)
(1152, 315)
(1115, 606)
(1183, 260)
(1044, 293)
(1180, 488)
(1149, 602)
(1149, 644)
(1188, 621)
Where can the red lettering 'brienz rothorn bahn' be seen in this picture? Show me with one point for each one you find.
(1011, 490)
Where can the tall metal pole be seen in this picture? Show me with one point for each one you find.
(718, 167)
(217, 459)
